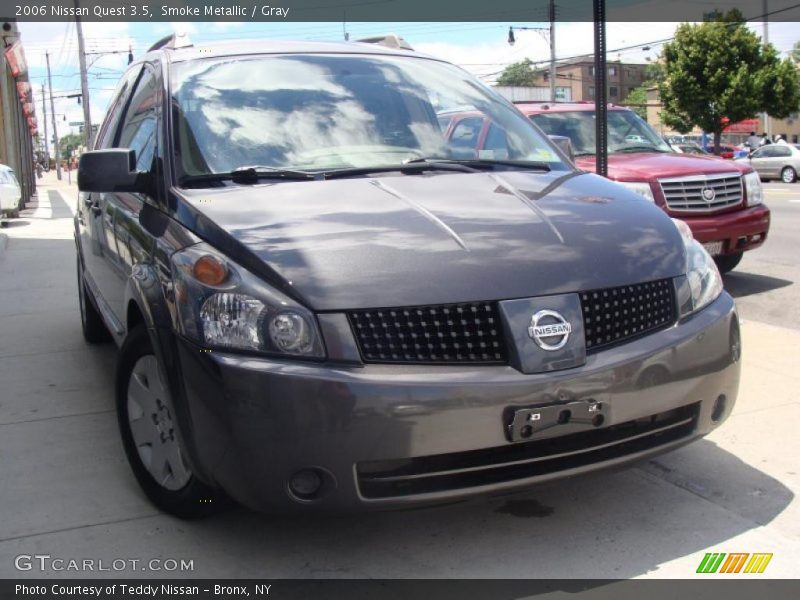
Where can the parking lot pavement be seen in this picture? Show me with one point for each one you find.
(67, 492)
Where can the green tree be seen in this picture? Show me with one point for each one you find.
(654, 73)
(718, 72)
(637, 99)
(519, 74)
(71, 139)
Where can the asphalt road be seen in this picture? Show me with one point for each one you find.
(67, 492)
(765, 284)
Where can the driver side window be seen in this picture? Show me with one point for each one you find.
(140, 129)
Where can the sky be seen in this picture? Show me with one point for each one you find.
(481, 48)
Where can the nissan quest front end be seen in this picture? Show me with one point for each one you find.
(322, 305)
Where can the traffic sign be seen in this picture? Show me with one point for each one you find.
(76, 123)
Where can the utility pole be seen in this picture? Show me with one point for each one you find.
(87, 118)
(53, 115)
(46, 140)
(550, 35)
(765, 12)
(553, 51)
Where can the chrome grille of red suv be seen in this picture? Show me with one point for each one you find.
(702, 193)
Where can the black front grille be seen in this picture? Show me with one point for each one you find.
(446, 472)
(440, 334)
(616, 315)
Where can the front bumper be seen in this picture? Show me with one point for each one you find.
(739, 231)
(388, 436)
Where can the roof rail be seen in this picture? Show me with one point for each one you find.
(390, 40)
(172, 41)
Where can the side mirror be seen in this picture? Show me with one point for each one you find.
(111, 170)
(564, 144)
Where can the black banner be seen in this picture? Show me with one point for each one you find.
(387, 10)
(431, 589)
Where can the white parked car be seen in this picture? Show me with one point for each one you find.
(9, 192)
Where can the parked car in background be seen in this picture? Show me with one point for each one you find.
(776, 161)
(721, 201)
(10, 192)
(689, 148)
(321, 306)
(726, 151)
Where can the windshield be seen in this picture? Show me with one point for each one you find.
(321, 112)
(627, 131)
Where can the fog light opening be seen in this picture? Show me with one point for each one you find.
(306, 484)
(719, 408)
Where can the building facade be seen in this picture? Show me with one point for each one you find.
(577, 75)
(18, 122)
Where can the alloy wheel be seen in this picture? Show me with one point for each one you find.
(152, 428)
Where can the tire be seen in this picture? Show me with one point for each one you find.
(92, 326)
(727, 262)
(152, 446)
(788, 175)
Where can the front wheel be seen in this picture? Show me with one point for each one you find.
(727, 262)
(788, 175)
(146, 417)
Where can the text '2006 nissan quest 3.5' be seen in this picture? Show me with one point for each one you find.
(320, 306)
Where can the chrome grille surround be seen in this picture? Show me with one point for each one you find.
(685, 194)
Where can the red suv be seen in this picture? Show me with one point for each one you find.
(721, 201)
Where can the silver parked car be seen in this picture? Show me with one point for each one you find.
(9, 192)
(776, 161)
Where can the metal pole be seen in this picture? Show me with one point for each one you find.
(552, 51)
(53, 115)
(600, 104)
(46, 139)
(765, 12)
(87, 118)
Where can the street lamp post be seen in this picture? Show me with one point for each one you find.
(549, 34)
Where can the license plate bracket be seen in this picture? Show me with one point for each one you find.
(569, 417)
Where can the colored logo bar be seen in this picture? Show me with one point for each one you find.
(734, 562)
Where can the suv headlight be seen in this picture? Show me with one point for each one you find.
(641, 188)
(221, 305)
(752, 185)
(705, 282)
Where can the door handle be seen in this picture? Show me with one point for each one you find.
(87, 200)
(96, 210)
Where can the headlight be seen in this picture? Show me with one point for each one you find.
(752, 185)
(643, 189)
(221, 305)
(702, 275)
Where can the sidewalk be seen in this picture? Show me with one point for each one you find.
(67, 491)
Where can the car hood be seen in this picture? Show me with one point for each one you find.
(649, 166)
(441, 238)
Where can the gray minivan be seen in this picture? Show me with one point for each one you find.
(320, 305)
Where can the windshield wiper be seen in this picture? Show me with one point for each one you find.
(482, 163)
(249, 174)
(406, 167)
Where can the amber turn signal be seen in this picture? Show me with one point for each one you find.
(209, 270)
